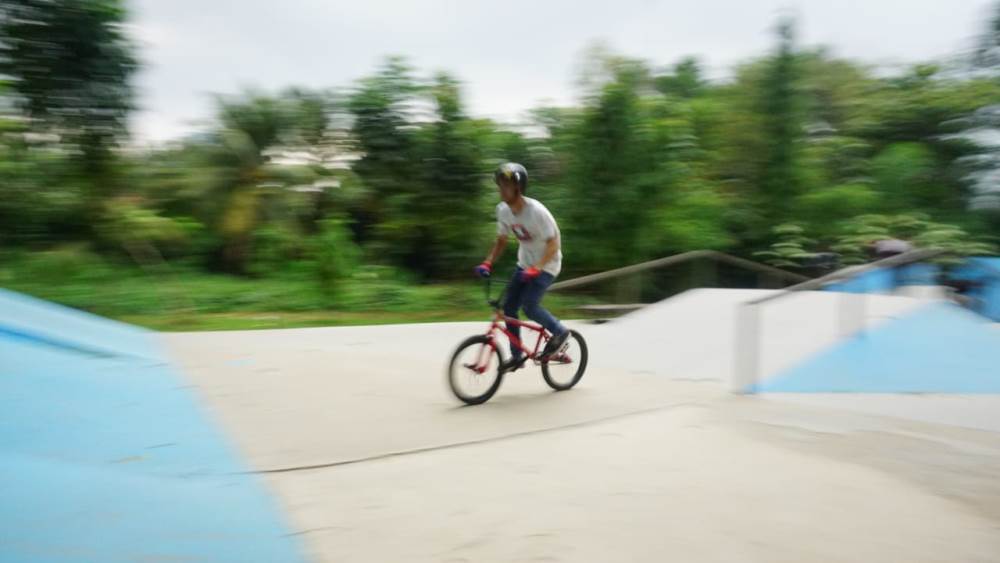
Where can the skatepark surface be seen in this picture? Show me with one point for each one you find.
(345, 444)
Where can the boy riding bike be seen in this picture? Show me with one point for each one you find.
(539, 258)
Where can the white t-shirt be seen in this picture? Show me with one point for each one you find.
(533, 227)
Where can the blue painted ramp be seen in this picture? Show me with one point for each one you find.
(984, 272)
(29, 319)
(881, 280)
(106, 456)
(940, 348)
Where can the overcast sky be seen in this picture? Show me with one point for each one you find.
(510, 55)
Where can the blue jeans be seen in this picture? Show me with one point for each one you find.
(528, 295)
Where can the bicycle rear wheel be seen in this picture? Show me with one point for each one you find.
(565, 368)
(474, 371)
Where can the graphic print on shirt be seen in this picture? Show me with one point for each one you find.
(520, 232)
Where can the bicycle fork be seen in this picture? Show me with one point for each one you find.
(483, 360)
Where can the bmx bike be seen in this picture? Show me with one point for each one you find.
(476, 369)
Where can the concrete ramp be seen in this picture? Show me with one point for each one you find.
(693, 336)
(376, 461)
(329, 396)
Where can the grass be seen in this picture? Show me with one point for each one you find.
(184, 299)
(256, 321)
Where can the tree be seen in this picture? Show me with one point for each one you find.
(453, 176)
(684, 80)
(832, 90)
(756, 141)
(605, 174)
(434, 221)
(42, 198)
(905, 172)
(240, 187)
(336, 255)
(70, 66)
(395, 169)
(983, 126)
(383, 136)
(779, 107)
(987, 53)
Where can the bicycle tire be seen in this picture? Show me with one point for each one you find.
(454, 372)
(582, 363)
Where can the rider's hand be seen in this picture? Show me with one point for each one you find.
(530, 274)
(485, 269)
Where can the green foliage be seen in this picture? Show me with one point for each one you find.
(40, 198)
(351, 200)
(781, 118)
(426, 181)
(860, 232)
(276, 247)
(904, 173)
(69, 65)
(381, 131)
(255, 123)
(613, 172)
(684, 80)
(694, 220)
(824, 209)
(126, 223)
(790, 250)
(336, 256)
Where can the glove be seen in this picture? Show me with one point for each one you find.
(485, 269)
(530, 274)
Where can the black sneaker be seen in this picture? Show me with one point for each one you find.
(512, 364)
(554, 344)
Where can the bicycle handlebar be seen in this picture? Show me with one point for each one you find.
(498, 302)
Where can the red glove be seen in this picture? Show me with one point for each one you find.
(530, 274)
(485, 269)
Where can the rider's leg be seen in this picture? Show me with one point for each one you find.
(532, 297)
(512, 303)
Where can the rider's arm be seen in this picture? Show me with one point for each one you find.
(497, 251)
(551, 248)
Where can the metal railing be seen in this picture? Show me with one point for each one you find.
(763, 269)
(629, 288)
(746, 369)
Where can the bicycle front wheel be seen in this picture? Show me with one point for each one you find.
(474, 371)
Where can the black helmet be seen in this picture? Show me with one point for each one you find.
(514, 171)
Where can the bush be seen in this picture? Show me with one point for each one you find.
(274, 248)
(335, 254)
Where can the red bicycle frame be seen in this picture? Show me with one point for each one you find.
(498, 324)
(499, 318)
